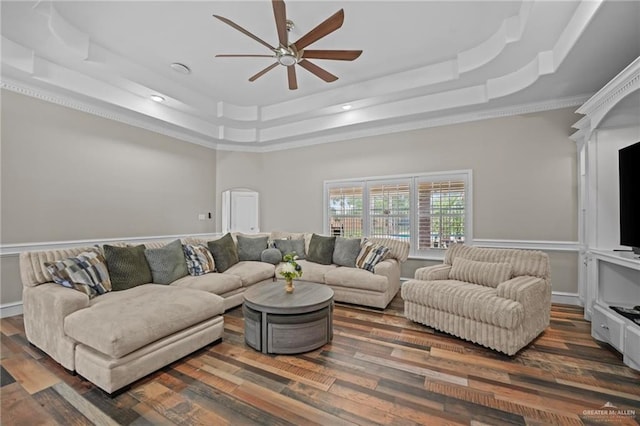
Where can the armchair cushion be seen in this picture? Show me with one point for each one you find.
(483, 273)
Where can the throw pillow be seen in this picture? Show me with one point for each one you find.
(199, 259)
(346, 251)
(482, 273)
(271, 255)
(224, 252)
(250, 248)
(321, 249)
(86, 272)
(167, 263)
(290, 246)
(127, 266)
(370, 255)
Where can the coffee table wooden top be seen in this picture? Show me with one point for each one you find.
(272, 298)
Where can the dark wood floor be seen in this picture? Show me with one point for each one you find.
(379, 369)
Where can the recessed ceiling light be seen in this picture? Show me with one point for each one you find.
(157, 98)
(346, 107)
(181, 68)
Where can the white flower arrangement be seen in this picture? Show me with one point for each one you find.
(291, 269)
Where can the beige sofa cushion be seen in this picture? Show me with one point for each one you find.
(251, 272)
(462, 299)
(313, 272)
(483, 273)
(212, 282)
(119, 323)
(356, 278)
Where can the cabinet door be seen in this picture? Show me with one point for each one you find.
(244, 211)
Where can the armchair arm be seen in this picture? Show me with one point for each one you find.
(534, 294)
(435, 272)
(45, 307)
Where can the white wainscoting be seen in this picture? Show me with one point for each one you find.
(15, 308)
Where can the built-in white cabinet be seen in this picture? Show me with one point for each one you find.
(240, 211)
(608, 276)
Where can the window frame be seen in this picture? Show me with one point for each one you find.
(465, 175)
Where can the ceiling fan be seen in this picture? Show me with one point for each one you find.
(292, 54)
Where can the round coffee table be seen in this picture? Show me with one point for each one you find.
(288, 323)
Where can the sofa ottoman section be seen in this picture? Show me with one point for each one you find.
(156, 323)
(111, 374)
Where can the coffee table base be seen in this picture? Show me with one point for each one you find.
(287, 333)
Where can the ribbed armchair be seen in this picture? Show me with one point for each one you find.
(498, 298)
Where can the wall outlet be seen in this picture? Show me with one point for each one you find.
(202, 216)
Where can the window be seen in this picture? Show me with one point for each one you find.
(430, 211)
(345, 210)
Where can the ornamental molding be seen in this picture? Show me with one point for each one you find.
(599, 105)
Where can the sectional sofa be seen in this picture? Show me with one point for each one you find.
(116, 335)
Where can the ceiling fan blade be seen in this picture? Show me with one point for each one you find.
(245, 56)
(291, 75)
(319, 72)
(242, 30)
(263, 72)
(328, 26)
(336, 55)
(280, 13)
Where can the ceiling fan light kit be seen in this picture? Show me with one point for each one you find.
(291, 54)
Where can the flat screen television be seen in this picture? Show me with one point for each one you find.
(629, 167)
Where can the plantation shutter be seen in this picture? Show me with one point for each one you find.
(440, 213)
(390, 209)
(346, 210)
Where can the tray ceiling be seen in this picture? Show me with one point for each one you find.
(424, 63)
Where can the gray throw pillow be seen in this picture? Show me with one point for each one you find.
(271, 255)
(346, 251)
(167, 263)
(250, 248)
(290, 246)
(321, 249)
(224, 251)
(127, 266)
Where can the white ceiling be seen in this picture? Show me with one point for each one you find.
(424, 63)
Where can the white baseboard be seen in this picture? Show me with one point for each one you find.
(10, 309)
(564, 298)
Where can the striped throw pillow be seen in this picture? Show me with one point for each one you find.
(488, 274)
(370, 255)
(199, 259)
(86, 272)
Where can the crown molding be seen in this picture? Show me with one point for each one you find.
(103, 112)
(600, 104)
(374, 130)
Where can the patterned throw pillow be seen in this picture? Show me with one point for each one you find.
(199, 259)
(86, 272)
(370, 254)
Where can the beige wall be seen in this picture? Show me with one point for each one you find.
(524, 177)
(68, 175)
